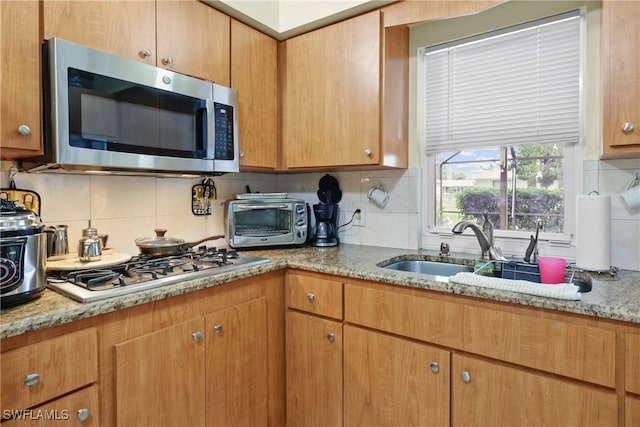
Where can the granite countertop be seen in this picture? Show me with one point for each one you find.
(616, 299)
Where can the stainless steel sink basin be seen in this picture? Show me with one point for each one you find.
(432, 268)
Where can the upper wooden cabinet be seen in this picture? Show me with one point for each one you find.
(254, 73)
(160, 33)
(20, 115)
(341, 105)
(621, 79)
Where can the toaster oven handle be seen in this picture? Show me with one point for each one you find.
(260, 206)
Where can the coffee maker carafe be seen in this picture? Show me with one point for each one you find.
(326, 228)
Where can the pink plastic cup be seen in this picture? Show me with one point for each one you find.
(552, 270)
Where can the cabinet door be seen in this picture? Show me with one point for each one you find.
(20, 82)
(621, 79)
(160, 377)
(193, 38)
(254, 73)
(331, 95)
(486, 393)
(236, 365)
(314, 371)
(390, 381)
(631, 411)
(121, 27)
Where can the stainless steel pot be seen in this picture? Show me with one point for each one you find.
(165, 246)
(23, 254)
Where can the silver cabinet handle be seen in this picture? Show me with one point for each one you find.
(242, 154)
(367, 152)
(435, 367)
(331, 337)
(31, 380)
(627, 127)
(83, 414)
(24, 130)
(466, 376)
(196, 336)
(311, 297)
(145, 53)
(217, 329)
(168, 60)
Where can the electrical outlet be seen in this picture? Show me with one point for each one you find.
(359, 220)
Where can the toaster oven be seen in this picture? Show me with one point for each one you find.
(260, 221)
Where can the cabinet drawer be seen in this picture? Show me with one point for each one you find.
(632, 363)
(75, 409)
(314, 293)
(39, 372)
(576, 351)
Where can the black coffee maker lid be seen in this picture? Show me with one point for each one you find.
(329, 190)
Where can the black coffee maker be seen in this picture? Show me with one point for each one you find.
(327, 213)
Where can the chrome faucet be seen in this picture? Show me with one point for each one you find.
(484, 236)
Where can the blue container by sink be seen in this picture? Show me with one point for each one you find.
(517, 270)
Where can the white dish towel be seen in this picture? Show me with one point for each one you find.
(565, 291)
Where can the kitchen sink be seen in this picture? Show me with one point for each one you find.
(440, 271)
(432, 268)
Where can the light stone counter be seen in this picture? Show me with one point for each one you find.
(616, 299)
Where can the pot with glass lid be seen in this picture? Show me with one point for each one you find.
(23, 254)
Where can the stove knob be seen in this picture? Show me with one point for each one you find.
(202, 248)
(222, 250)
(233, 253)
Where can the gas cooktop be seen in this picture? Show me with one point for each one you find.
(144, 272)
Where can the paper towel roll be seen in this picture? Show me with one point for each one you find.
(593, 233)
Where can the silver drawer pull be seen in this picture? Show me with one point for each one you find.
(196, 336)
(627, 127)
(217, 329)
(83, 414)
(31, 380)
(331, 337)
(435, 367)
(466, 377)
(311, 297)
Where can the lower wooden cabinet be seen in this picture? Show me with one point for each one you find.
(314, 371)
(160, 377)
(48, 369)
(389, 381)
(76, 409)
(631, 411)
(490, 393)
(236, 365)
(211, 370)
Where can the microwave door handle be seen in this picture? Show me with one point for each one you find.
(209, 118)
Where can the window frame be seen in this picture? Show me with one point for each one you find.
(513, 243)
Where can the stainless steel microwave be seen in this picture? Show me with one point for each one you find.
(257, 222)
(105, 112)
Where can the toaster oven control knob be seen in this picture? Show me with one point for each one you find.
(166, 79)
(24, 130)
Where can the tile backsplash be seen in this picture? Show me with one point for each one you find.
(127, 207)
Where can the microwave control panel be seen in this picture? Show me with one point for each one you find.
(224, 132)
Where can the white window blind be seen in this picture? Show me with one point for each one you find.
(518, 86)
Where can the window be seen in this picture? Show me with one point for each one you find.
(501, 114)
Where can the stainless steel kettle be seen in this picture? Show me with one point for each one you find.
(57, 240)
